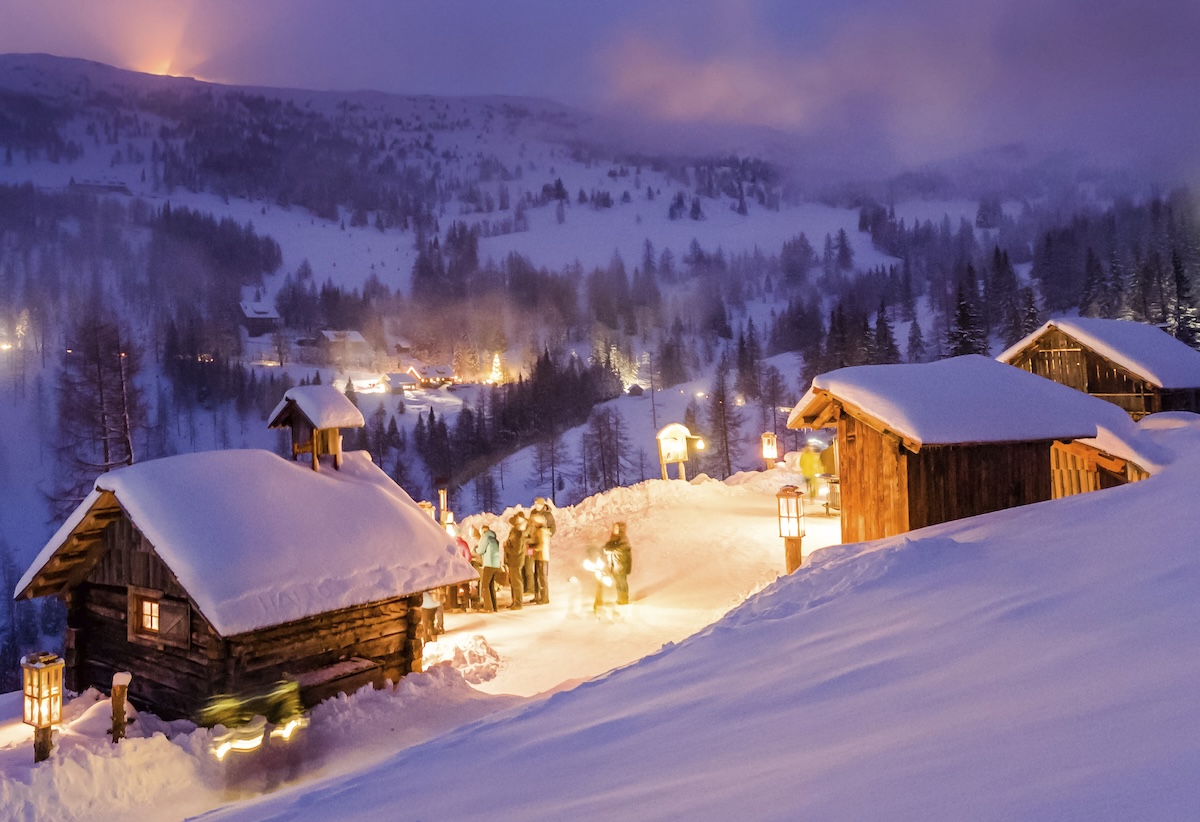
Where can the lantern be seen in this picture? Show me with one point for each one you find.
(770, 449)
(42, 676)
(790, 502)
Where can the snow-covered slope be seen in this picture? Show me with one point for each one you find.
(1032, 664)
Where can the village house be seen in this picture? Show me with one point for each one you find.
(432, 376)
(1136, 366)
(225, 571)
(258, 317)
(343, 348)
(921, 444)
(398, 383)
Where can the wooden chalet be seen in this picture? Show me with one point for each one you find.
(258, 317)
(344, 348)
(316, 415)
(223, 572)
(1135, 366)
(923, 444)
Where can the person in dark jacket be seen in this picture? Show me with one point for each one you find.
(543, 527)
(620, 560)
(491, 559)
(514, 557)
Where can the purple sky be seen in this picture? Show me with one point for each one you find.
(928, 78)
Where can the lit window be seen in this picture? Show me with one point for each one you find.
(150, 615)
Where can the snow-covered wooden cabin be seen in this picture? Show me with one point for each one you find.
(224, 571)
(316, 415)
(1138, 367)
(344, 347)
(928, 443)
(258, 317)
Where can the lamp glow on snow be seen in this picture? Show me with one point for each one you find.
(770, 449)
(42, 680)
(790, 507)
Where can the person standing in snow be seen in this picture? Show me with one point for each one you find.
(620, 560)
(544, 527)
(431, 616)
(491, 559)
(810, 466)
(514, 557)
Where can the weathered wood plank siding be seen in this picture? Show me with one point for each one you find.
(950, 482)
(874, 482)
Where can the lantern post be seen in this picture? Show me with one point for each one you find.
(770, 449)
(790, 502)
(42, 681)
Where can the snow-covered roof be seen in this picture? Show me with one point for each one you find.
(257, 540)
(401, 379)
(1145, 350)
(323, 405)
(971, 399)
(259, 311)
(351, 337)
(433, 372)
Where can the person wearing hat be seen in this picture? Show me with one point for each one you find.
(514, 557)
(543, 525)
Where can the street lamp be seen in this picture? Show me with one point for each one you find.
(790, 501)
(42, 676)
(770, 449)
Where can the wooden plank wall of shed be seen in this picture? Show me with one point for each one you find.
(950, 482)
(168, 680)
(1057, 357)
(873, 482)
(378, 631)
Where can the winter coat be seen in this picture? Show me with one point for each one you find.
(514, 546)
(549, 518)
(620, 552)
(810, 462)
(488, 550)
(537, 536)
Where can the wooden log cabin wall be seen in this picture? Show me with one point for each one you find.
(177, 667)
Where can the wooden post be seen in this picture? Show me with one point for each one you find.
(793, 559)
(120, 687)
(42, 742)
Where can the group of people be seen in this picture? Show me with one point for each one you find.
(523, 562)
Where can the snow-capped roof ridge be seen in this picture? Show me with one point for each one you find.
(257, 540)
(323, 405)
(1145, 350)
(961, 400)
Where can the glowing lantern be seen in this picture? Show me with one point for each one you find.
(42, 675)
(770, 449)
(673, 443)
(790, 501)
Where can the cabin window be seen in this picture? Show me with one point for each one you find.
(150, 616)
(158, 620)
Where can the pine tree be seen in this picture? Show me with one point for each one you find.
(966, 335)
(1183, 323)
(724, 422)
(885, 349)
(1091, 301)
(916, 343)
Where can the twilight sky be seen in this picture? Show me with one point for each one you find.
(925, 78)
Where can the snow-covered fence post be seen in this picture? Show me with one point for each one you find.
(120, 687)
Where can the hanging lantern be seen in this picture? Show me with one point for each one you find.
(790, 503)
(42, 676)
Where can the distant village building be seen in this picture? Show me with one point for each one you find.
(100, 186)
(344, 348)
(1136, 366)
(398, 383)
(225, 571)
(258, 317)
(923, 444)
(432, 376)
(315, 415)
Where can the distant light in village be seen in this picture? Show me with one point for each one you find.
(42, 679)
(770, 449)
(6, 347)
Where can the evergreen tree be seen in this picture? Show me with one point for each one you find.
(916, 343)
(966, 335)
(885, 350)
(724, 422)
(1183, 322)
(1091, 301)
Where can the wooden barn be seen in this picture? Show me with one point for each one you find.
(315, 415)
(223, 572)
(923, 444)
(258, 317)
(1136, 366)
